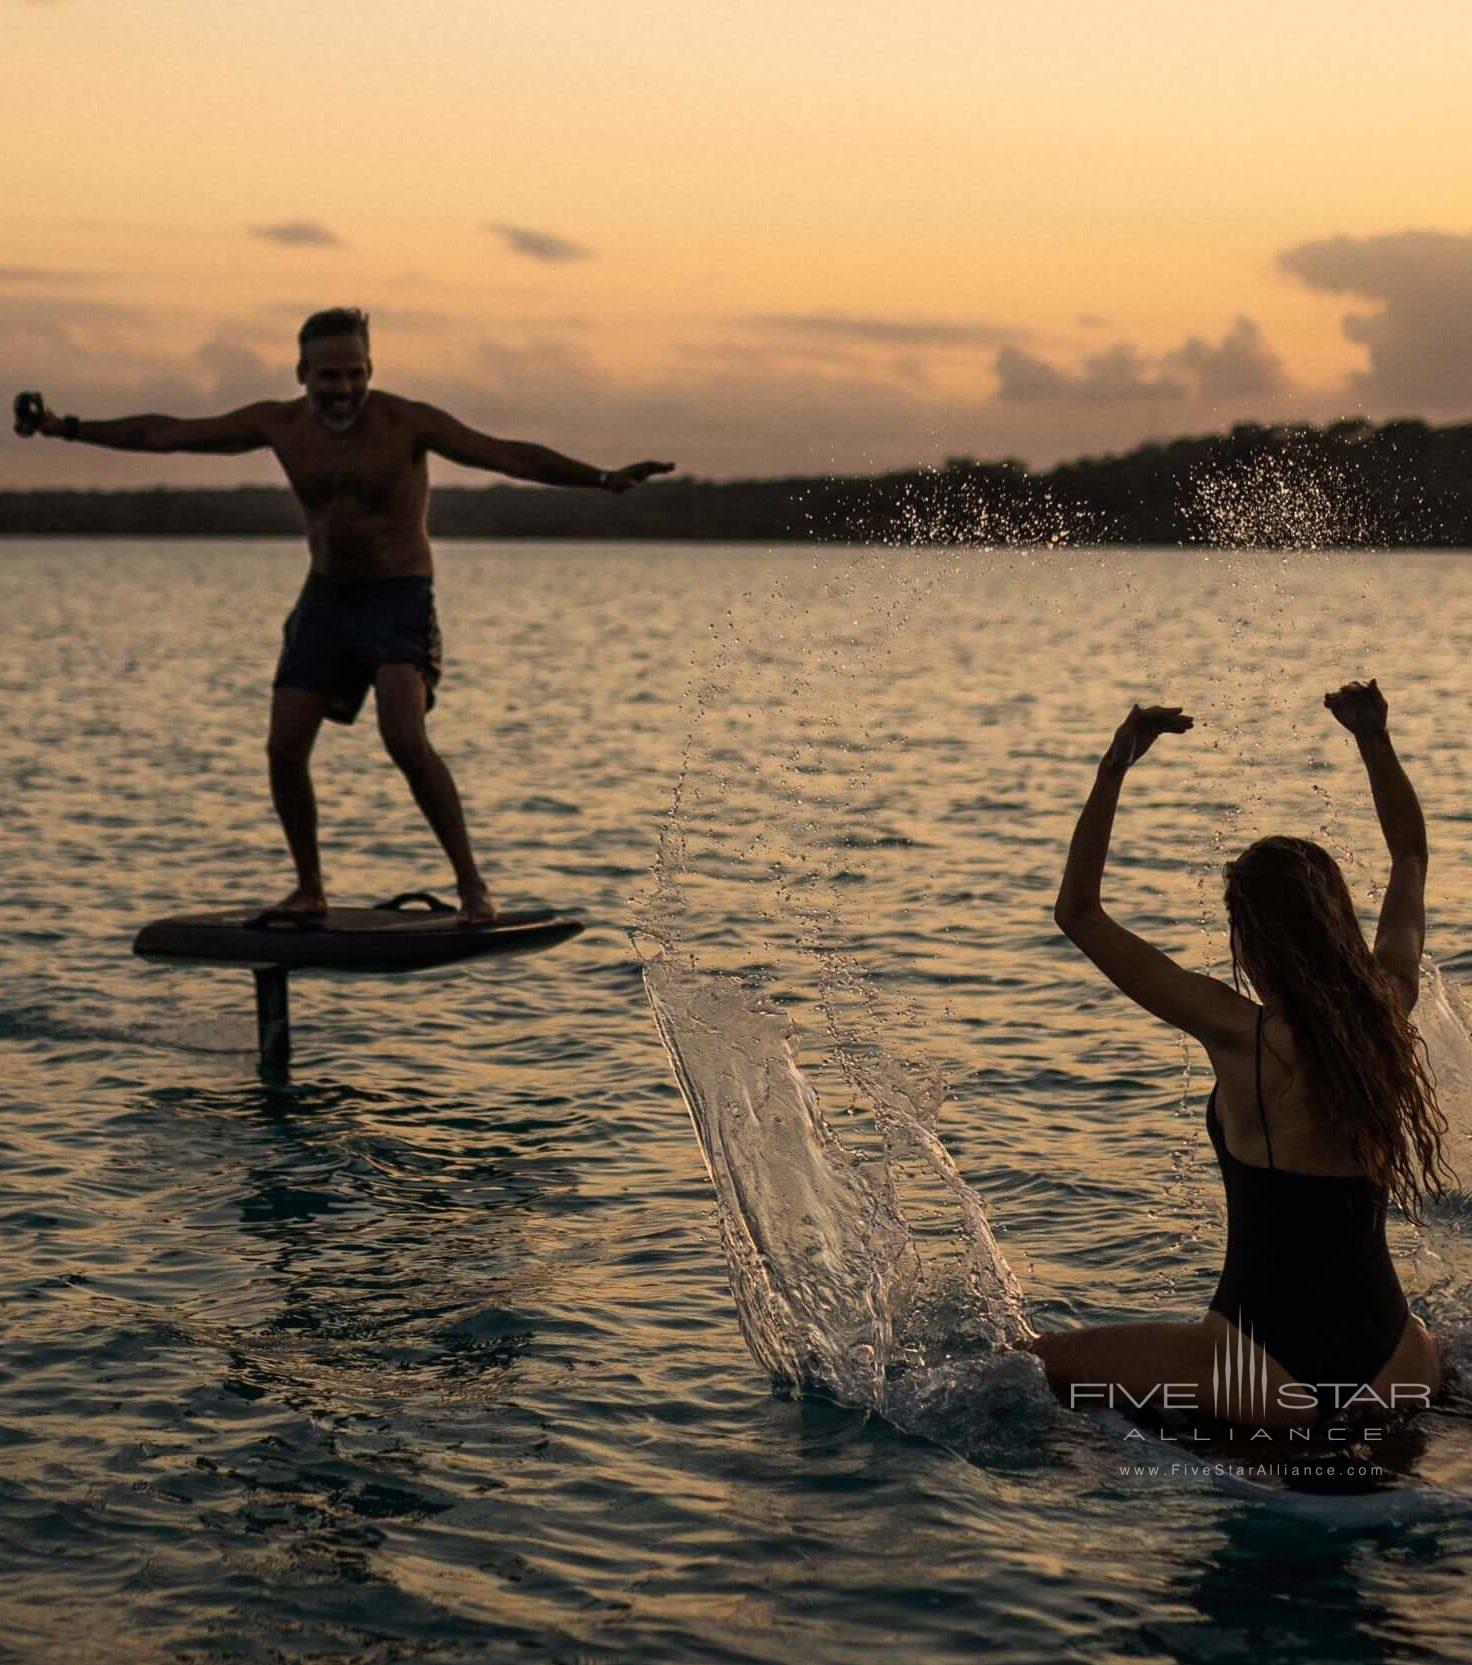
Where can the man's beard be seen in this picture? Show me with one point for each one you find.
(335, 418)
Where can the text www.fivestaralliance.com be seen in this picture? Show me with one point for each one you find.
(1258, 1471)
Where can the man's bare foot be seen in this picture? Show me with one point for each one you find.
(476, 906)
(304, 899)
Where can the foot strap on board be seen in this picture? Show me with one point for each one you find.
(400, 903)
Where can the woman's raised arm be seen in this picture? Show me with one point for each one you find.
(1210, 1010)
(1401, 934)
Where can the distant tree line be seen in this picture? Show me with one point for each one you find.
(1351, 484)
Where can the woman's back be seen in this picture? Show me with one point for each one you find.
(1307, 1273)
(1298, 1135)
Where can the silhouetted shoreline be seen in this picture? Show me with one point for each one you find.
(1350, 484)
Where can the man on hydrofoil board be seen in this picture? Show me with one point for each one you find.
(357, 462)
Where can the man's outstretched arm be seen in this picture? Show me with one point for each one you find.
(246, 429)
(449, 438)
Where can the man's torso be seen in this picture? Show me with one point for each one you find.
(365, 492)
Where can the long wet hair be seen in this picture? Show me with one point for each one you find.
(1296, 938)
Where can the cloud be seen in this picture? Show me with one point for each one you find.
(743, 406)
(298, 234)
(717, 414)
(723, 409)
(765, 394)
(72, 326)
(1419, 336)
(906, 332)
(106, 359)
(1117, 375)
(426, 320)
(231, 374)
(1240, 366)
(48, 274)
(1092, 321)
(539, 245)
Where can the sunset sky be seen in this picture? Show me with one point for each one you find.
(754, 237)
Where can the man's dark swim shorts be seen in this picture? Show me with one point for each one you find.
(342, 629)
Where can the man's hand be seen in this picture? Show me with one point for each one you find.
(624, 479)
(32, 416)
(1361, 707)
(1139, 732)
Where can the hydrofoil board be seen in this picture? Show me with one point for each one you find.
(413, 932)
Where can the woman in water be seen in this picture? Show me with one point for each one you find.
(1321, 1112)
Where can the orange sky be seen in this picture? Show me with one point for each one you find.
(767, 237)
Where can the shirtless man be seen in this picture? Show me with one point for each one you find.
(365, 618)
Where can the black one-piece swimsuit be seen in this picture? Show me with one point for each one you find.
(1307, 1275)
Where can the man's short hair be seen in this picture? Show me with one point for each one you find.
(336, 320)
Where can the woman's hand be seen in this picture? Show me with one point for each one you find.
(1361, 707)
(1139, 732)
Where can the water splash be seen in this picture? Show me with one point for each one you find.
(862, 1268)
(1289, 490)
(1441, 1019)
(964, 503)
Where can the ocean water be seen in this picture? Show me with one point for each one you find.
(443, 1350)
